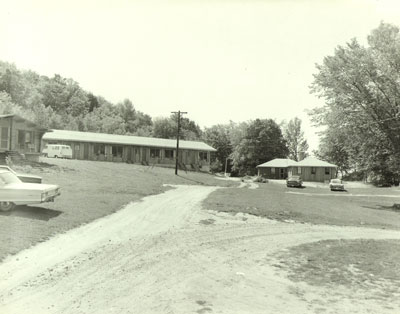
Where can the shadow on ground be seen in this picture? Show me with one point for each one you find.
(32, 212)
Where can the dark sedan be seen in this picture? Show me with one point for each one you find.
(294, 181)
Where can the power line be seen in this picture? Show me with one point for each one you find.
(177, 138)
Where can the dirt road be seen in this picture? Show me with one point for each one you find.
(166, 255)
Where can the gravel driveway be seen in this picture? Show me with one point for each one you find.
(166, 255)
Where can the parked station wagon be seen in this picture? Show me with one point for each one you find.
(15, 192)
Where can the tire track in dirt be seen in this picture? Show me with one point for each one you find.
(157, 256)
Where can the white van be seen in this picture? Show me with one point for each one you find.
(57, 151)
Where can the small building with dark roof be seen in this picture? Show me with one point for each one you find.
(132, 149)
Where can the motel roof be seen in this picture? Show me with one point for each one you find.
(278, 163)
(76, 136)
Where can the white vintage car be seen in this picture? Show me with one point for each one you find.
(15, 192)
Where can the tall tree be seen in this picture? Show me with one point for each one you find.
(296, 142)
(218, 137)
(263, 141)
(361, 90)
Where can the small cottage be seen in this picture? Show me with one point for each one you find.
(20, 135)
(275, 169)
(313, 169)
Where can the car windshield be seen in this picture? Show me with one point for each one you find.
(8, 178)
(336, 181)
(295, 177)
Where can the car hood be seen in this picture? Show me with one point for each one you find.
(31, 186)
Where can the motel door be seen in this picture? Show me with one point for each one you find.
(129, 156)
(137, 155)
(86, 151)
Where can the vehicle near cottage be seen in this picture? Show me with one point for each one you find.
(336, 185)
(294, 181)
(15, 192)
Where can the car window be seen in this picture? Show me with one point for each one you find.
(8, 178)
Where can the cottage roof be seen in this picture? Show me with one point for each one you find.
(76, 136)
(314, 162)
(19, 118)
(278, 163)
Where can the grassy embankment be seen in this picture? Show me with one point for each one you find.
(90, 190)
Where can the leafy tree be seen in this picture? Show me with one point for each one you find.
(361, 89)
(93, 102)
(294, 136)
(263, 141)
(218, 137)
(167, 128)
(164, 128)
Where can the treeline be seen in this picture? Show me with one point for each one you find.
(361, 88)
(60, 103)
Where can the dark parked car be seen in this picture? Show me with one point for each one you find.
(294, 181)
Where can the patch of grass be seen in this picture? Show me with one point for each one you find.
(89, 190)
(271, 201)
(353, 264)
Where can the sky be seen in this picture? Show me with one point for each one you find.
(218, 60)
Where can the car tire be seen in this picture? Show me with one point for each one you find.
(6, 206)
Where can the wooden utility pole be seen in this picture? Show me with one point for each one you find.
(177, 139)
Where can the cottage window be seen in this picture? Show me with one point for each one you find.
(99, 149)
(313, 170)
(169, 153)
(117, 151)
(203, 156)
(272, 170)
(327, 171)
(4, 137)
(154, 153)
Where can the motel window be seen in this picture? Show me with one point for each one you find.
(99, 149)
(298, 170)
(272, 170)
(117, 151)
(169, 153)
(77, 147)
(313, 170)
(327, 171)
(154, 153)
(203, 156)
